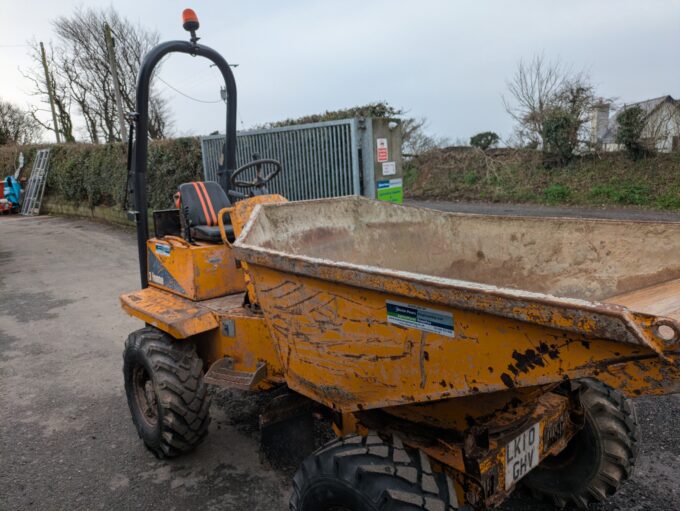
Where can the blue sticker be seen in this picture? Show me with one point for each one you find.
(162, 249)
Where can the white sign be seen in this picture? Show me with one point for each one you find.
(381, 143)
(521, 455)
(389, 168)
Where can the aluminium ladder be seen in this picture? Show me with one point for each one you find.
(35, 188)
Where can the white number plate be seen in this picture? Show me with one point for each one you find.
(521, 455)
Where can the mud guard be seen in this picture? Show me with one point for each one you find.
(177, 316)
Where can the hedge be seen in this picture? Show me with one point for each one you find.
(94, 175)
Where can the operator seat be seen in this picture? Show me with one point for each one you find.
(200, 203)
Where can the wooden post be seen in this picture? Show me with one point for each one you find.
(116, 85)
(50, 92)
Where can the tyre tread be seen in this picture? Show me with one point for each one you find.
(382, 470)
(619, 431)
(183, 396)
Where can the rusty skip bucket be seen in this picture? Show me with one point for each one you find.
(373, 304)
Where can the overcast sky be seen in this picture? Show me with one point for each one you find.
(447, 61)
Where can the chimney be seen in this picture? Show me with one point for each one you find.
(599, 122)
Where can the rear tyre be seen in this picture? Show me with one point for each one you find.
(357, 473)
(598, 459)
(165, 391)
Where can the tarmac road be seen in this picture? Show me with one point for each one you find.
(66, 438)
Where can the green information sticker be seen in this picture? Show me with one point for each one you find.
(421, 318)
(391, 190)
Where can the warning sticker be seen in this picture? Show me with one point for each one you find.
(156, 278)
(421, 318)
(382, 149)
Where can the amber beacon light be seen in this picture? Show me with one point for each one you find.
(189, 20)
(190, 24)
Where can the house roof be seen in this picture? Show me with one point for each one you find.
(647, 106)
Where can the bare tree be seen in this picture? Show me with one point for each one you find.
(539, 88)
(60, 88)
(16, 125)
(414, 138)
(82, 74)
(159, 117)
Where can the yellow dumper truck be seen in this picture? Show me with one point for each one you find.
(457, 356)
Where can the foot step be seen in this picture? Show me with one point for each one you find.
(222, 374)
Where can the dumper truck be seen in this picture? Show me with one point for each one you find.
(456, 356)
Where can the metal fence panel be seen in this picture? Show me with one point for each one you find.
(319, 160)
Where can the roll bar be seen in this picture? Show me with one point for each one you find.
(141, 146)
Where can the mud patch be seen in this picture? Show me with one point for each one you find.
(7, 340)
(30, 306)
(6, 256)
(17, 349)
(242, 410)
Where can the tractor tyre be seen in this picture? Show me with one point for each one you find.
(165, 391)
(356, 473)
(598, 459)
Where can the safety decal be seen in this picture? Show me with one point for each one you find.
(162, 249)
(421, 318)
(160, 275)
(381, 144)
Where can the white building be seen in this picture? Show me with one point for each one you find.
(662, 124)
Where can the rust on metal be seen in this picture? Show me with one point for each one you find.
(323, 272)
(198, 271)
(478, 462)
(173, 314)
(457, 333)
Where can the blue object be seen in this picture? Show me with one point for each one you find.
(12, 191)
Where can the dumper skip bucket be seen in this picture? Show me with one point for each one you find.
(374, 304)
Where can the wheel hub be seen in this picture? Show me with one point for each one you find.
(145, 395)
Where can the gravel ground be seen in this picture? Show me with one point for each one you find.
(66, 438)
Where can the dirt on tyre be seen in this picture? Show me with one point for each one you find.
(356, 473)
(165, 391)
(598, 459)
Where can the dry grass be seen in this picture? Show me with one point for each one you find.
(520, 176)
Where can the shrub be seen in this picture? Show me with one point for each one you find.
(669, 201)
(622, 193)
(484, 140)
(375, 109)
(632, 194)
(601, 192)
(470, 178)
(556, 194)
(95, 175)
(560, 135)
(631, 122)
(410, 173)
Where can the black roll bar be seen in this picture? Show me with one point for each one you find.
(141, 147)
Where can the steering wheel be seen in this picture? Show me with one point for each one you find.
(259, 181)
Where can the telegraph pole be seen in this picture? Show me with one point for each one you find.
(116, 85)
(50, 92)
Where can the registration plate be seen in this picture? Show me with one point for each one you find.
(521, 455)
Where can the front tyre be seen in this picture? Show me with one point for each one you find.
(165, 391)
(357, 473)
(598, 459)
